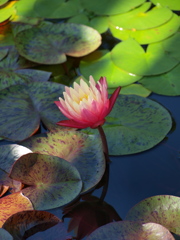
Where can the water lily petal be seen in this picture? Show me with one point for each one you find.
(113, 99)
(72, 123)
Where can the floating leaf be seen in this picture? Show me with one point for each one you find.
(5, 235)
(174, 5)
(80, 19)
(51, 181)
(149, 35)
(82, 151)
(26, 223)
(126, 230)
(135, 125)
(131, 57)
(48, 43)
(140, 18)
(164, 84)
(6, 37)
(115, 75)
(12, 204)
(135, 89)
(9, 154)
(22, 108)
(57, 9)
(162, 209)
(3, 52)
(2, 2)
(106, 7)
(100, 24)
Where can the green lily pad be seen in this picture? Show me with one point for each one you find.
(140, 18)
(48, 43)
(3, 52)
(5, 235)
(104, 66)
(57, 9)
(2, 2)
(82, 151)
(135, 89)
(13, 61)
(135, 124)
(22, 76)
(23, 106)
(106, 7)
(80, 19)
(174, 5)
(164, 84)
(6, 13)
(162, 209)
(131, 57)
(125, 230)
(149, 35)
(52, 181)
(100, 24)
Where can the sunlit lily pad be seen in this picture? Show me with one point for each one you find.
(5, 235)
(26, 223)
(103, 65)
(23, 106)
(131, 57)
(140, 18)
(100, 23)
(52, 181)
(80, 19)
(126, 230)
(149, 35)
(9, 154)
(135, 89)
(82, 151)
(135, 125)
(5, 13)
(162, 209)
(2, 2)
(174, 5)
(48, 43)
(106, 7)
(12, 204)
(164, 84)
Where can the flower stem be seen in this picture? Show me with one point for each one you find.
(106, 155)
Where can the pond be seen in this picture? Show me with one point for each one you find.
(50, 173)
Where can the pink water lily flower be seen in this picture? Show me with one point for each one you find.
(86, 106)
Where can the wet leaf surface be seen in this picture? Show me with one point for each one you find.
(51, 181)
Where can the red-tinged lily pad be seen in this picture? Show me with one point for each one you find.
(5, 235)
(51, 181)
(12, 204)
(49, 43)
(24, 224)
(81, 150)
(162, 209)
(129, 230)
(22, 108)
